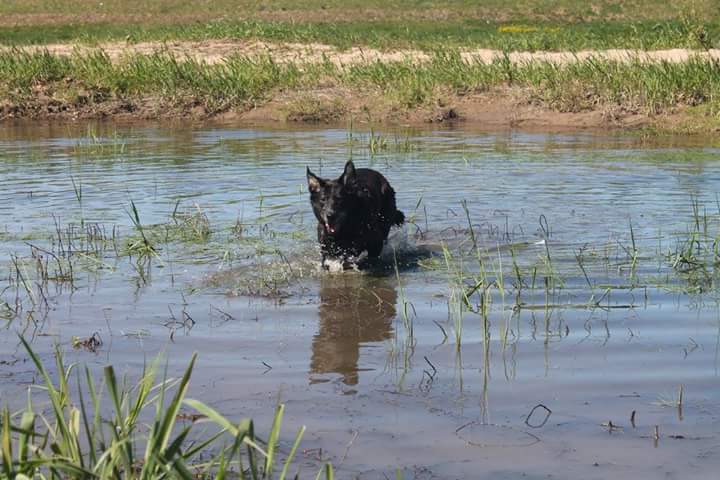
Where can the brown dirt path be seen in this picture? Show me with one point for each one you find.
(214, 51)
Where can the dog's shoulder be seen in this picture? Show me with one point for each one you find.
(368, 174)
(372, 180)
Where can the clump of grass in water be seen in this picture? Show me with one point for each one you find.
(186, 226)
(458, 298)
(696, 255)
(405, 144)
(76, 440)
(141, 247)
(376, 143)
(72, 248)
(192, 225)
(78, 190)
(7, 312)
(405, 304)
(403, 347)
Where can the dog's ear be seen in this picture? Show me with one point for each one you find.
(314, 182)
(349, 173)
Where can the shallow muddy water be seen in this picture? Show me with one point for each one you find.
(574, 241)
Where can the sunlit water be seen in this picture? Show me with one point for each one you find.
(370, 362)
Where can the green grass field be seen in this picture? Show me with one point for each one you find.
(563, 10)
(522, 25)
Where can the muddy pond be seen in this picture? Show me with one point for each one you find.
(550, 309)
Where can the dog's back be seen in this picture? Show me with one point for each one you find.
(377, 190)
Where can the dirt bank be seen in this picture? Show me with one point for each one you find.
(502, 108)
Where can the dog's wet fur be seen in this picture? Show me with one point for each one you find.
(354, 213)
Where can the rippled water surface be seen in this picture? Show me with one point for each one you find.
(534, 269)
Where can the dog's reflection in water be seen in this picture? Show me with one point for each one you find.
(354, 310)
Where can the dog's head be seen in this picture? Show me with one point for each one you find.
(333, 201)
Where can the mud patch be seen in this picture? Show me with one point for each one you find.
(504, 107)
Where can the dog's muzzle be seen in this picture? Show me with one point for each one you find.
(329, 229)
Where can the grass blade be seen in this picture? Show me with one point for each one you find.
(290, 457)
(272, 440)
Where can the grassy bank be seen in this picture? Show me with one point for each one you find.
(40, 84)
(524, 25)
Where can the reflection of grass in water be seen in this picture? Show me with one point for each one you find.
(77, 439)
(674, 401)
(96, 145)
(404, 346)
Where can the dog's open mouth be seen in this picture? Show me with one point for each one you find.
(329, 228)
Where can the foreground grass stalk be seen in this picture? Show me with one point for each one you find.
(71, 441)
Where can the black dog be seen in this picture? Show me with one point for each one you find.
(354, 212)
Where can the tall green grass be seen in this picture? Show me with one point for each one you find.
(237, 80)
(241, 82)
(133, 433)
(580, 86)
